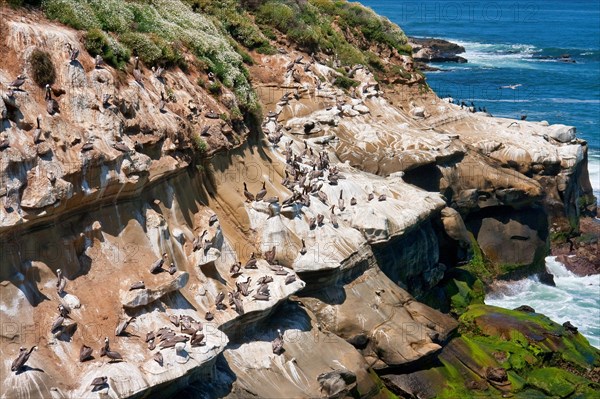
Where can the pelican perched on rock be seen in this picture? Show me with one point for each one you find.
(22, 358)
(98, 61)
(18, 82)
(197, 339)
(85, 353)
(320, 218)
(162, 102)
(370, 197)
(137, 286)
(158, 264)
(290, 279)
(270, 255)
(98, 383)
(158, 72)
(234, 270)
(261, 194)
(61, 282)
(158, 358)
(58, 322)
(341, 205)
(219, 301)
(73, 52)
(303, 249)
(172, 269)
(251, 264)
(120, 146)
(277, 343)
(37, 133)
(137, 74)
(382, 197)
(51, 104)
(122, 326)
(333, 216)
(249, 196)
(352, 201)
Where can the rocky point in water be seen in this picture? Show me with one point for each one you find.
(240, 213)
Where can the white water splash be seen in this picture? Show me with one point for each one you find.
(575, 299)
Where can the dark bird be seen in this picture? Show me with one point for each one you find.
(157, 265)
(219, 301)
(213, 219)
(137, 74)
(73, 52)
(85, 353)
(151, 345)
(37, 133)
(261, 194)
(352, 201)
(158, 72)
(4, 144)
(370, 197)
(341, 201)
(303, 249)
(22, 358)
(51, 104)
(333, 216)
(198, 242)
(61, 282)
(105, 99)
(209, 316)
(277, 343)
(150, 336)
(264, 280)
(63, 310)
(249, 196)
(58, 322)
(137, 286)
(320, 219)
(158, 358)
(260, 297)
(98, 61)
(244, 288)
(251, 264)
(312, 223)
(18, 82)
(105, 348)
(120, 146)
(113, 356)
(212, 115)
(322, 196)
(172, 269)
(170, 343)
(270, 255)
(174, 319)
(290, 279)
(99, 382)
(122, 326)
(239, 307)
(88, 146)
(382, 197)
(234, 270)
(162, 102)
(197, 339)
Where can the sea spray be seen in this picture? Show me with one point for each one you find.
(575, 299)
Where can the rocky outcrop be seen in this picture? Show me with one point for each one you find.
(436, 50)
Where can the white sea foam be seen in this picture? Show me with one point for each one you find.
(594, 170)
(497, 55)
(576, 299)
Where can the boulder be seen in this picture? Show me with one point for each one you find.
(562, 133)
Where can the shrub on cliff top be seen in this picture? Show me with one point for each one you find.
(42, 67)
(97, 42)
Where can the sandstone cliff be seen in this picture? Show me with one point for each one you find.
(110, 184)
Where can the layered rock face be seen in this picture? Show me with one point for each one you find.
(387, 192)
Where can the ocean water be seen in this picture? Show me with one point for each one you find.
(508, 43)
(512, 43)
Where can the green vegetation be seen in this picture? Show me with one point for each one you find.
(199, 144)
(344, 82)
(42, 68)
(158, 31)
(98, 43)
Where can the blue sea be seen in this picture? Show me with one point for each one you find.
(516, 43)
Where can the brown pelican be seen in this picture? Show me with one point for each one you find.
(213, 219)
(237, 301)
(244, 287)
(298, 59)
(61, 282)
(333, 217)
(333, 179)
(120, 146)
(303, 249)
(312, 223)
(162, 102)
(249, 196)
(88, 146)
(341, 201)
(197, 339)
(320, 219)
(99, 382)
(212, 115)
(157, 265)
(277, 343)
(73, 52)
(260, 297)
(22, 358)
(85, 353)
(18, 82)
(137, 74)
(51, 104)
(270, 255)
(58, 322)
(171, 341)
(158, 358)
(370, 197)
(172, 269)
(122, 326)
(174, 319)
(261, 194)
(219, 301)
(105, 99)
(149, 336)
(382, 197)
(264, 280)
(352, 201)
(158, 72)
(151, 345)
(113, 356)
(199, 241)
(263, 289)
(234, 270)
(98, 61)
(105, 348)
(37, 133)
(322, 196)
(209, 316)
(251, 264)
(137, 286)
(4, 144)
(63, 310)
(290, 279)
